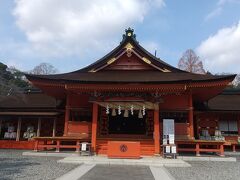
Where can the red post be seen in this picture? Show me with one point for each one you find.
(78, 146)
(239, 124)
(190, 116)
(234, 148)
(156, 132)
(221, 150)
(197, 149)
(58, 146)
(94, 126)
(36, 145)
(67, 115)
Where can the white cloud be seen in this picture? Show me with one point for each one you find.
(219, 8)
(216, 12)
(221, 51)
(74, 27)
(222, 2)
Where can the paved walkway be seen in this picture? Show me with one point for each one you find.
(117, 172)
(76, 173)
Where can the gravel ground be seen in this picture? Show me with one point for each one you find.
(207, 171)
(15, 166)
(118, 172)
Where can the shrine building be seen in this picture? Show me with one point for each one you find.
(118, 103)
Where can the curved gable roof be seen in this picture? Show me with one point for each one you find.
(137, 48)
(161, 72)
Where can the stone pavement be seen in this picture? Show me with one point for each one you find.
(145, 161)
(77, 172)
(230, 156)
(117, 172)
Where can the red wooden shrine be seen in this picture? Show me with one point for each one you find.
(123, 98)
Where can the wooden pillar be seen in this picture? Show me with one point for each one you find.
(78, 146)
(36, 145)
(239, 124)
(0, 126)
(54, 127)
(221, 150)
(233, 148)
(197, 149)
(39, 127)
(58, 146)
(94, 126)
(156, 132)
(190, 116)
(67, 115)
(19, 128)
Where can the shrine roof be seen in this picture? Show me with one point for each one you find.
(149, 68)
(27, 101)
(129, 77)
(225, 102)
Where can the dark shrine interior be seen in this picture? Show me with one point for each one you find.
(127, 125)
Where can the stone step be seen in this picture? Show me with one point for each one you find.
(149, 161)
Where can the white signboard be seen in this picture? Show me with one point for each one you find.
(168, 131)
(168, 126)
(168, 149)
(165, 141)
(171, 138)
(174, 149)
(84, 147)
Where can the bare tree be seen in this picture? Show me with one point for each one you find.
(236, 81)
(44, 69)
(191, 62)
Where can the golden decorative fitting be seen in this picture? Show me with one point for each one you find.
(92, 70)
(111, 61)
(129, 52)
(146, 60)
(129, 46)
(165, 70)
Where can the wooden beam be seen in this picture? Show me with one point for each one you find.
(19, 128)
(16, 113)
(190, 115)
(54, 127)
(39, 127)
(94, 126)
(156, 133)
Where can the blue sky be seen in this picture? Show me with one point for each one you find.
(72, 34)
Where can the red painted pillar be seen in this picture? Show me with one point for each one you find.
(67, 115)
(190, 116)
(239, 124)
(94, 126)
(156, 132)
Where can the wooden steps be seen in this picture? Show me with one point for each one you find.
(147, 147)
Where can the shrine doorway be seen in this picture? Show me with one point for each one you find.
(133, 124)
